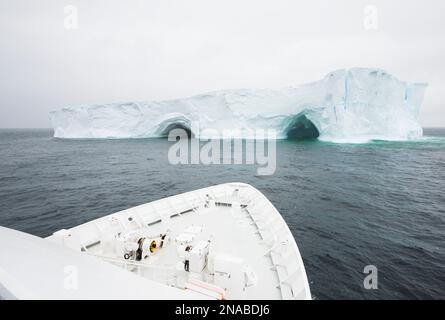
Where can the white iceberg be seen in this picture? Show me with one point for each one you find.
(347, 105)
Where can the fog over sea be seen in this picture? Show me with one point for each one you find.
(348, 205)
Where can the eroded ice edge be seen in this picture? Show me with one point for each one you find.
(353, 106)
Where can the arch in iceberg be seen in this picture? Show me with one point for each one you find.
(301, 128)
(171, 122)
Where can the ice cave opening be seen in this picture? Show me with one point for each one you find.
(301, 128)
(177, 125)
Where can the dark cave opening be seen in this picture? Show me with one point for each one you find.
(302, 129)
(176, 125)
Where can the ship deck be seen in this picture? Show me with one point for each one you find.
(250, 252)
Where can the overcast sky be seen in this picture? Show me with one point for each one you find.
(137, 50)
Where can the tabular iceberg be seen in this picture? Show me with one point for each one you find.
(357, 104)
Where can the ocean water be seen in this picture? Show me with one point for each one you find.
(348, 205)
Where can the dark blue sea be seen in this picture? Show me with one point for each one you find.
(348, 205)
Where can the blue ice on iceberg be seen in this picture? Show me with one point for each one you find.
(357, 104)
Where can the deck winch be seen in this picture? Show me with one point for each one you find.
(133, 246)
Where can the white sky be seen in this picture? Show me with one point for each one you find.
(137, 50)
